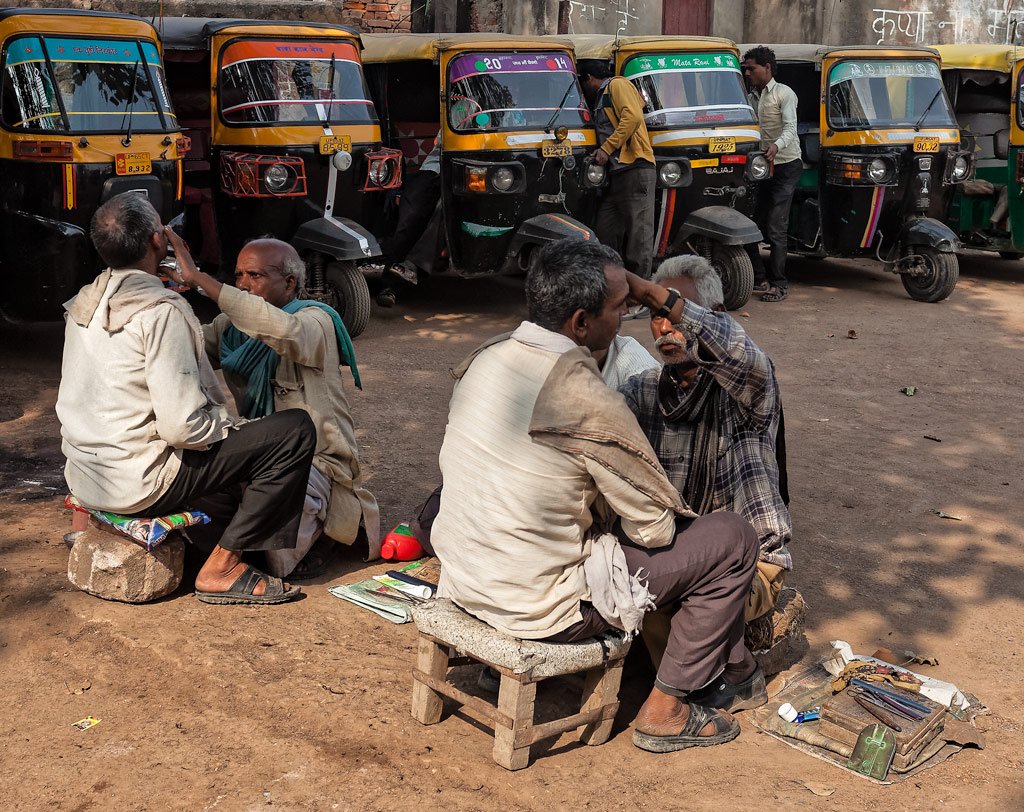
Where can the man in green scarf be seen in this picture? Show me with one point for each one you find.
(279, 351)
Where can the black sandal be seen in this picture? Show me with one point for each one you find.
(775, 294)
(761, 287)
(725, 731)
(316, 559)
(241, 590)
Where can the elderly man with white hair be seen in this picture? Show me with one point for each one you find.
(712, 414)
(279, 351)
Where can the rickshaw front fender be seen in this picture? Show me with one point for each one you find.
(545, 228)
(926, 231)
(720, 224)
(338, 237)
(52, 260)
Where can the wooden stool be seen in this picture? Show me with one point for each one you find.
(522, 664)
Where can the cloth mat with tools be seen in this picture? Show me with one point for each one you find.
(813, 687)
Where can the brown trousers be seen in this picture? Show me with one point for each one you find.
(702, 580)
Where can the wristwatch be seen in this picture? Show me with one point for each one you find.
(663, 311)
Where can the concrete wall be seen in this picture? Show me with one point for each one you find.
(727, 19)
(610, 16)
(883, 22)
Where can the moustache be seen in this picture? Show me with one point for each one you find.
(670, 341)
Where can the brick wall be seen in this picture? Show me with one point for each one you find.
(377, 17)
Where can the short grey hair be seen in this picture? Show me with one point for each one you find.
(703, 274)
(568, 275)
(122, 227)
(292, 264)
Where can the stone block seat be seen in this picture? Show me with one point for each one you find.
(111, 564)
(444, 628)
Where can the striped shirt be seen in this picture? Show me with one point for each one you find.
(747, 474)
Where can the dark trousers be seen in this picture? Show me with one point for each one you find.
(420, 194)
(705, 577)
(774, 198)
(625, 219)
(273, 455)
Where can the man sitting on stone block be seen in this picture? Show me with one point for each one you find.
(279, 352)
(712, 414)
(143, 422)
(554, 503)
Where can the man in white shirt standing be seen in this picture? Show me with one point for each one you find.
(143, 422)
(550, 487)
(775, 106)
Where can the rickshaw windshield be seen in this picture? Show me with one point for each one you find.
(880, 93)
(291, 82)
(489, 92)
(683, 90)
(60, 84)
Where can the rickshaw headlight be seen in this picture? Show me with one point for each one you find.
(759, 167)
(595, 174)
(276, 177)
(961, 167)
(670, 173)
(878, 170)
(503, 179)
(380, 173)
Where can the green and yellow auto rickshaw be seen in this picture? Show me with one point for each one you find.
(84, 116)
(706, 145)
(982, 82)
(514, 136)
(882, 159)
(286, 142)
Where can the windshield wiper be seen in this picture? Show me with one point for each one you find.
(561, 104)
(127, 140)
(917, 127)
(330, 90)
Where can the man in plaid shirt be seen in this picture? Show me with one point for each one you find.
(712, 414)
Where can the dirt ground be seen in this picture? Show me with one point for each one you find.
(306, 706)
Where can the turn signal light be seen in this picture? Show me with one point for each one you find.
(853, 171)
(183, 145)
(476, 180)
(44, 150)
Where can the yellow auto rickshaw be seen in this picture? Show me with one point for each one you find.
(84, 116)
(706, 145)
(286, 142)
(982, 82)
(882, 158)
(514, 135)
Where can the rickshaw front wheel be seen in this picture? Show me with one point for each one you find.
(351, 295)
(733, 264)
(938, 280)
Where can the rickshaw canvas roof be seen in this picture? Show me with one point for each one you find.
(9, 13)
(193, 33)
(809, 52)
(999, 58)
(409, 47)
(601, 46)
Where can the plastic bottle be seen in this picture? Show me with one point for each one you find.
(400, 544)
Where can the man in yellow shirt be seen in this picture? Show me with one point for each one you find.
(625, 219)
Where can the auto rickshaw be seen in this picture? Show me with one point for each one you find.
(285, 142)
(514, 135)
(882, 159)
(84, 116)
(706, 144)
(987, 211)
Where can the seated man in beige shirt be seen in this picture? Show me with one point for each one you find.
(280, 352)
(543, 464)
(143, 422)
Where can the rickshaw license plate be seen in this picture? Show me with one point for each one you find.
(926, 143)
(552, 150)
(329, 144)
(132, 163)
(722, 144)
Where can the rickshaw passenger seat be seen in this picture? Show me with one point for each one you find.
(810, 144)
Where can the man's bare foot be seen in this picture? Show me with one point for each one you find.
(665, 715)
(222, 569)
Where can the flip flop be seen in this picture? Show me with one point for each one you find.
(775, 295)
(751, 693)
(725, 731)
(316, 559)
(241, 590)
